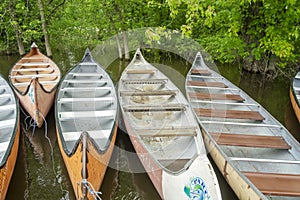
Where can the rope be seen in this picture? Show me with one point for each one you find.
(91, 189)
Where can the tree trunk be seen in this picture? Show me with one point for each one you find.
(19, 40)
(126, 47)
(119, 47)
(46, 36)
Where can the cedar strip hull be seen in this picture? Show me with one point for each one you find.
(295, 105)
(96, 165)
(39, 104)
(7, 170)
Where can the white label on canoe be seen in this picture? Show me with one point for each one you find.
(196, 189)
(31, 94)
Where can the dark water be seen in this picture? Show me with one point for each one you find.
(40, 172)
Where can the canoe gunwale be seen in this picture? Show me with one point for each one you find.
(15, 130)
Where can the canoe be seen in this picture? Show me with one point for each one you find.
(9, 135)
(34, 79)
(295, 95)
(256, 154)
(86, 112)
(165, 134)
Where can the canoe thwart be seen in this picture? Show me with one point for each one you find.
(33, 69)
(275, 184)
(167, 134)
(207, 84)
(146, 81)
(200, 72)
(141, 71)
(232, 97)
(35, 76)
(150, 108)
(85, 114)
(149, 93)
(250, 140)
(33, 64)
(233, 114)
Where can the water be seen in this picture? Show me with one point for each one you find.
(41, 174)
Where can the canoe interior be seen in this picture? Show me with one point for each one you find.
(158, 116)
(8, 119)
(86, 101)
(34, 65)
(235, 115)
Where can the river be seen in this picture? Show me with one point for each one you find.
(40, 172)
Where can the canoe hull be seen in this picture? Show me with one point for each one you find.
(37, 102)
(153, 170)
(96, 165)
(295, 105)
(7, 170)
(233, 178)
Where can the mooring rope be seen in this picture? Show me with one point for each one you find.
(91, 189)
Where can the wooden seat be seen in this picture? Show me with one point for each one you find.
(155, 108)
(87, 74)
(141, 71)
(84, 89)
(149, 93)
(94, 99)
(233, 114)
(33, 69)
(200, 72)
(34, 75)
(167, 134)
(33, 64)
(250, 140)
(275, 184)
(41, 82)
(85, 114)
(95, 134)
(207, 84)
(232, 97)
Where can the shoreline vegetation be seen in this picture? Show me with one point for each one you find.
(263, 36)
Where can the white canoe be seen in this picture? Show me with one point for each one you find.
(257, 156)
(9, 135)
(86, 112)
(165, 134)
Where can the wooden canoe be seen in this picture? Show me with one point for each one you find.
(35, 78)
(295, 95)
(86, 112)
(165, 134)
(9, 135)
(257, 156)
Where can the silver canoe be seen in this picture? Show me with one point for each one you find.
(165, 134)
(257, 156)
(9, 134)
(295, 95)
(86, 111)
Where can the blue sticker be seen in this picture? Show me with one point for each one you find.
(31, 94)
(196, 189)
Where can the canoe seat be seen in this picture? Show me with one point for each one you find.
(7, 107)
(141, 71)
(297, 76)
(85, 81)
(95, 134)
(174, 164)
(87, 74)
(41, 82)
(37, 59)
(7, 123)
(84, 89)
(200, 72)
(250, 140)
(207, 84)
(88, 64)
(233, 114)
(85, 114)
(149, 93)
(95, 99)
(33, 69)
(4, 146)
(5, 95)
(296, 88)
(170, 128)
(169, 133)
(175, 107)
(35, 75)
(146, 81)
(275, 184)
(231, 97)
(33, 64)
